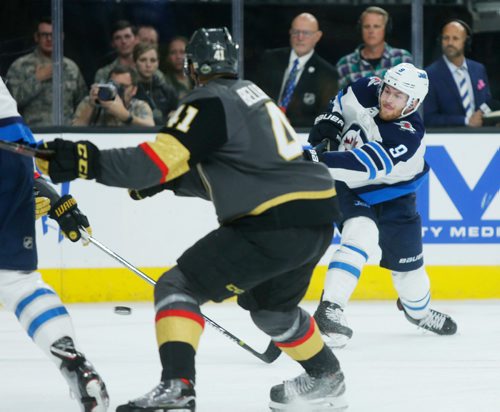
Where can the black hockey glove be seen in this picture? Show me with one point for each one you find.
(71, 160)
(315, 153)
(139, 194)
(327, 126)
(65, 211)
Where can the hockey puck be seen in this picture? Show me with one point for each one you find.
(123, 310)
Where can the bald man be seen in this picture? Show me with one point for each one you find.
(458, 87)
(299, 80)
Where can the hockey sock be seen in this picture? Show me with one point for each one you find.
(37, 307)
(414, 291)
(343, 273)
(179, 326)
(310, 351)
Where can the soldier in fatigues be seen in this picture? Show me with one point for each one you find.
(29, 79)
(229, 143)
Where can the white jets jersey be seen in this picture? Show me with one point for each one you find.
(378, 160)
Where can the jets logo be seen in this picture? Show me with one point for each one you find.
(374, 81)
(405, 125)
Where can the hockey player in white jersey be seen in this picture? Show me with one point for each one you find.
(22, 290)
(372, 139)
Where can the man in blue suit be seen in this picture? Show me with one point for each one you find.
(457, 86)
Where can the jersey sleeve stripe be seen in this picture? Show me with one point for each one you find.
(156, 160)
(363, 158)
(383, 155)
(374, 156)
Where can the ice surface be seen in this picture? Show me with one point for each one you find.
(389, 364)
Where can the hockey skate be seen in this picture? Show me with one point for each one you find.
(84, 382)
(435, 321)
(172, 395)
(333, 324)
(308, 394)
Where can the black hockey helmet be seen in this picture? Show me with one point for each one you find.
(212, 51)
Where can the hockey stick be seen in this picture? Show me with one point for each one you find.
(271, 353)
(26, 150)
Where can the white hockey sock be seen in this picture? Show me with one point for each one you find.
(37, 307)
(414, 291)
(343, 274)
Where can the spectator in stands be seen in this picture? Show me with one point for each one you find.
(147, 34)
(105, 107)
(175, 73)
(123, 40)
(298, 79)
(29, 79)
(374, 56)
(457, 86)
(161, 97)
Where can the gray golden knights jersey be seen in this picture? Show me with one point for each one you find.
(229, 143)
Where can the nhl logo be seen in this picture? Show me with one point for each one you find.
(28, 242)
(309, 98)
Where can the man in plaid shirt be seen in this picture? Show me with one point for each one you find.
(374, 56)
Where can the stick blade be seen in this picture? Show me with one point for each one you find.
(271, 353)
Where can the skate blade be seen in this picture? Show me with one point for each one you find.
(332, 404)
(95, 390)
(127, 408)
(336, 340)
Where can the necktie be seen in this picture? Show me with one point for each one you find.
(289, 86)
(464, 93)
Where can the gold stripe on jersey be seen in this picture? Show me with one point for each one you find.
(178, 329)
(172, 153)
(306, 347)
(279, 200)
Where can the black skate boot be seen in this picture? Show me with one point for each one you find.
(82, 378)
(172, 395)
(435, 321)
(306, 393)
(332, 324)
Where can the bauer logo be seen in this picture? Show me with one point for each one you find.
(460, 202)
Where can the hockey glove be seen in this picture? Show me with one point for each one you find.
(42, 206)
(311, 155)
(327, 126)
(139, 194)
(71, 160)
(65, 211)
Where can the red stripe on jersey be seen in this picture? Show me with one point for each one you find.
(180, 313)
(37, 175)
(156, 160)
(300, 341)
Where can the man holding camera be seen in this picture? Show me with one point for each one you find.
(113, 103)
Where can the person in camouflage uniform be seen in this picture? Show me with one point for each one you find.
(123, 40)
(174, 73)
(122, 110)
(29, 79)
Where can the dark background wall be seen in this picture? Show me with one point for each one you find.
(87, 25)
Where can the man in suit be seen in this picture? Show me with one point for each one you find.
(457, 86)
(299, 80)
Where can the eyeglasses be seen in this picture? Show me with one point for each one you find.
(305, 33)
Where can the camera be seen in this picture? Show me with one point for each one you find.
(108, 91)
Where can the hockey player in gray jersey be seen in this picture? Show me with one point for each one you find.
(376, 155)
(229, 143)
